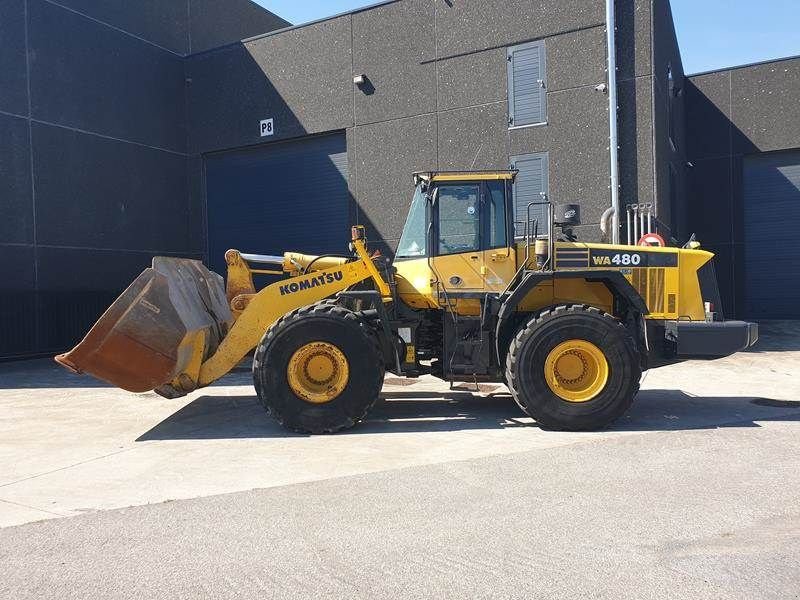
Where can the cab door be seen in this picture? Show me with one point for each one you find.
(472, 252)
(499, 254)
(457, 254)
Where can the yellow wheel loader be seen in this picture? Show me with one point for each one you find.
(479, 290)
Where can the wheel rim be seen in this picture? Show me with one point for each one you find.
(318, 372)
(576, 371)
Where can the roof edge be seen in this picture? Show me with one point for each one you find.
(745, 66)
(298, 26)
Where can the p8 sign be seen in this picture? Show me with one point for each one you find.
(267, 127)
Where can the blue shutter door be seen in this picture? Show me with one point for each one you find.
(530, 186)
(771, 253)
(278, 197)
(526, 92)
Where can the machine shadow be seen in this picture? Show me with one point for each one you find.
(241, 417)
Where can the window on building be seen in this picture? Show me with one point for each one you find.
(530, 187)
(459, 219)
(527, 95)
(672, 93)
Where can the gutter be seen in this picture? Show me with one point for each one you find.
(613, 124)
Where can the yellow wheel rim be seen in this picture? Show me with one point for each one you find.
(576, 371)
(318, 372)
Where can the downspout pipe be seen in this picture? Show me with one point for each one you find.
(613, 125)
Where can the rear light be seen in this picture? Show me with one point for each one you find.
(711, 316)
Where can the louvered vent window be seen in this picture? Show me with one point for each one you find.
(527, 88)
(530, 187)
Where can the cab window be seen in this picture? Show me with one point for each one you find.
(496, 196)
(459, 219)
(413, 243)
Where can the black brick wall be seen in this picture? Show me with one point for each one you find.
(95, 177)
(732, 114)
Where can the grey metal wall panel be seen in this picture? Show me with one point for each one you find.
(576, 141)
(772, 256)
(531, 186)
(637, 174)
(708, 115)
(13, 67)
(88, 76)
(394, 46)
(289, 195)
(16, 204)
(474, 138)
(100, 193)
(302, 78)
(17, 301)
(460, 88)
(576, 59)
(765, 107)
(468, 25)
(634, 19)
(76, 286)
(214, 23)
(384, 187)
(668, 121)
(527, 98)
(162, 22)
(709, 203)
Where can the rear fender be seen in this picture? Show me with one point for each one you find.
(630, 307)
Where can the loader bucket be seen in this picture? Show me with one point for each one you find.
(155, 329)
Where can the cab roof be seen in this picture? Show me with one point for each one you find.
(432, 176)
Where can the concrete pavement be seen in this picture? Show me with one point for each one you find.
(441, 493)
(695, 514)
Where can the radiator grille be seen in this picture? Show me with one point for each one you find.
(650, 285)
(655, 297)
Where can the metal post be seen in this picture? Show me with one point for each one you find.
(613, 137)
(628, 229)
(641, 218)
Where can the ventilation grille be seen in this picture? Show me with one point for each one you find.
(650, 285)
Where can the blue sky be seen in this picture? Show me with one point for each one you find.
(712, 33)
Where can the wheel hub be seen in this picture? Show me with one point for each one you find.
(576, 371)
(318, 372)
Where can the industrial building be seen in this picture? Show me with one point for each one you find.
(135, 129)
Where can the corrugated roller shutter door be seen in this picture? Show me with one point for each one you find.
(772, 254)
(284, 196)
(526, 93)
(531, 185)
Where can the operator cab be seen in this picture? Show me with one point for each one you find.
(453, 213)
(459, 236)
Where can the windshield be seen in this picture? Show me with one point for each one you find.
(413, 243)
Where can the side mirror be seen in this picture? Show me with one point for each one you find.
(568, 215)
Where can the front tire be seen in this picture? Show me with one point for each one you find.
(318, 369)
(573, 368)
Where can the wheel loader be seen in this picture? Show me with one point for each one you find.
(479, 290)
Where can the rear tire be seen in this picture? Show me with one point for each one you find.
(605, 366)
(349, 338)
